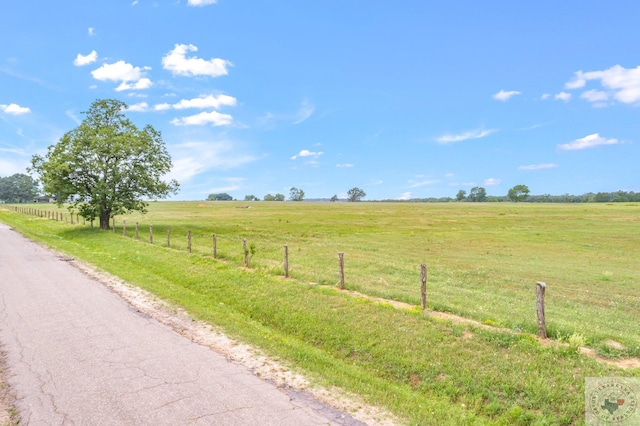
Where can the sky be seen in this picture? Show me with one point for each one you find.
(403, 99)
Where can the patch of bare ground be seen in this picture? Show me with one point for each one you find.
(627, 363)
(8, 414)
(263, 366)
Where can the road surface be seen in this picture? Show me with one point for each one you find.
(78, 354)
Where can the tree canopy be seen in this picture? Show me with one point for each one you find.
(18, 188)
(296, 194)
(271, 197)
(223, 196)
(518, 193)
(355, 194)
(106, 166)
(477, 194)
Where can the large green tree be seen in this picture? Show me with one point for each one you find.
(355, 194)
(296, 194)
(477, 194)
(518, 193)
(18, 188)
(106, 166)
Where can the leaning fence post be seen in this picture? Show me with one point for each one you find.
(423, 291)
(189, 241)
(286, 261)
(215, 246)
(542, 325)
(341, 264)
(246, 252)
(151, 234)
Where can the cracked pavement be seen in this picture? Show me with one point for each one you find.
(79, 354)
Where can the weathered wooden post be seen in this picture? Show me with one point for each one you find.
(286, 261)
(71, 218)
(189, 241)
(151, 234)
(341, 265)
(124, 227)
(542, 324)
(169, 237)
(423, 292)
(137, 233)
(246, 252)
(114, 225)
(215, 246)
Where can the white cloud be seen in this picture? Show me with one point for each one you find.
(589, 141)
(305, 111)
(8, 168)
(345, 165)
(85, 60)
(143, 83)
(471, 134)
(140, 107)
(492, 182)
(14, 109)
(134, 3)
(196, 3)
(595, 96)
(162, 107)
(131, 78)
(404, 196)
(91, 31)
(622, 84)
(177, 62)
(194, 158)
(307, 153)
(206, 102)
(562, 96)
(545, 96)
(538, 166)
(203, 118)
(504, 95)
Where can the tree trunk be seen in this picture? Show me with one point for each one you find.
(105, 215)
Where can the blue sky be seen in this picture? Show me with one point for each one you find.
(405, 99)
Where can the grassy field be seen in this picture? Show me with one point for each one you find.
(483, 260)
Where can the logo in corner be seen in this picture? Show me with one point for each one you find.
(610, 400)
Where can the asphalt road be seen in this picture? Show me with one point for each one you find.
(78, 354)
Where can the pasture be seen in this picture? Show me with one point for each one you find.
(483, 262)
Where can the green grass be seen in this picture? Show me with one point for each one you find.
(483, 262)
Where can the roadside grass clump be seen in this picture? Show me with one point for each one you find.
(426, 371)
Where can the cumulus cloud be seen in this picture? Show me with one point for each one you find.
(504, 96)
(178, 63)
(130, 77)
(595, 96)
(404, 196)
(82, 60)
(14, 109)
(215, 118)
(143, 83)
(590, 141)
(492, 182)
(562, 96)
(140, 107)
(307, 153)
(345, 165)
(196, 3)
(206, 102)
(545, 96)
(471, 134)
(91, 31)
(621, 84)
(538, 166)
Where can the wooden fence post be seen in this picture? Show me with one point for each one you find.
(71, 218)
(246, 252)
(169, 237)
(189, 241)
(124, 227)
(150, 234)
(341, 265)
(215, 246)
(542, 324)
(137, 233)
(286, 261)
(423, 291)
(114, 224)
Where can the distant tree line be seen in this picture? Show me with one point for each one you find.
(295, 194)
